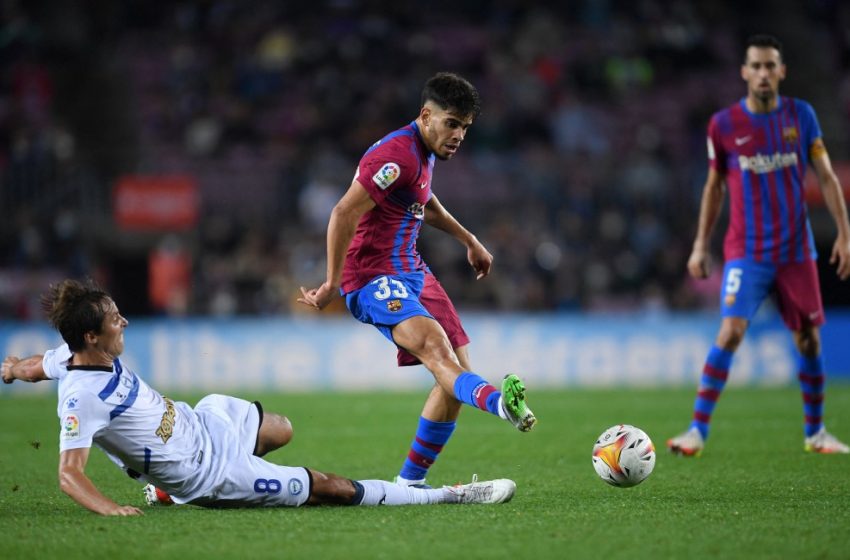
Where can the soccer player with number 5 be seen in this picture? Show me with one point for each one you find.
(759, 148)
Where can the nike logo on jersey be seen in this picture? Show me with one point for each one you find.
(743, 140)
(423, 185)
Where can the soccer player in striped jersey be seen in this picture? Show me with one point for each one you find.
(373, 261)
(209, 455)
(759, 149)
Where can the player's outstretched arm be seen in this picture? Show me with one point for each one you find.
(29, 369)
(477, 255)
(341, 228)
(834, 199)
(699, 265)
(74, 482)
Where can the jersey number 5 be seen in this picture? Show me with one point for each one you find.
(733, 280)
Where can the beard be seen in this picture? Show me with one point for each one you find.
(765, 96)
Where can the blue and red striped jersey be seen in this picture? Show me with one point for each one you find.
(763, 159)
(396, 172)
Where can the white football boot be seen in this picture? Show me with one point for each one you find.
(824, 442)
(488, 492)
(688, 444)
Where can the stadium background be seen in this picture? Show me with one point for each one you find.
(187, 155)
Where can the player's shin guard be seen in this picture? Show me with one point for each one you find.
(812, 380)
(714, 375)
(429, 441)
(474, 390)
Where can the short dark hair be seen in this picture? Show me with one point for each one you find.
(452, 93)
(74, 308)
(763, 41)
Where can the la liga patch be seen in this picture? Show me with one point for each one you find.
(70, 426)
(386, 175)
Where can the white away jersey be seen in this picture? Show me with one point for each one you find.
(138, 428)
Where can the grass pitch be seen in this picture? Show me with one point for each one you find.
(753, 493)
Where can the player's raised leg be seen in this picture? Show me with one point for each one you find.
(424, 338)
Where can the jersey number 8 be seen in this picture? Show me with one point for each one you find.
(270, 486)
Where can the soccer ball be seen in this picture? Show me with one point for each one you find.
(623, 456)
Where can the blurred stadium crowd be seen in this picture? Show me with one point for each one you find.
(582, 175)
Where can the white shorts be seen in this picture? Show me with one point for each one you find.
(238, 477)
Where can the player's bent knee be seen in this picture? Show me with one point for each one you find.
(275, 432)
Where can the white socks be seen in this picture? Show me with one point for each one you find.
(383, 493)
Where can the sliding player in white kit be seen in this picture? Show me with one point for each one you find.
(208, 455)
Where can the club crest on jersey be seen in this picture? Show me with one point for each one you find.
(730, 300)
(70, 426)
(790, 134)
(295, 486)
(386, 175)
(394, 305)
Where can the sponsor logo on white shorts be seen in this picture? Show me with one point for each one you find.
(295, 486)
(70, 426)
(386, 175)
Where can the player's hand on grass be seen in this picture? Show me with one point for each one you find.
(125, 511)
(6, 368)
(318, 297)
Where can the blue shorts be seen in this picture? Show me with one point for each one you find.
(746, 284)
(388, 300)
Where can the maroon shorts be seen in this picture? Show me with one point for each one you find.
(435, 300)
(746, 284)
(798, 295)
